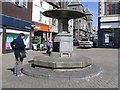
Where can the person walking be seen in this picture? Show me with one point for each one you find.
(18, 46)
(49, 46)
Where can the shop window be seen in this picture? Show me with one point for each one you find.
(11, 36)
(109, 37)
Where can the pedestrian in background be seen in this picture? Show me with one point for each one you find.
(18, 46)
(49, 46)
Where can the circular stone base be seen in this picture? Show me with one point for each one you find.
(55, 62)
(46, 73)
(56, 67)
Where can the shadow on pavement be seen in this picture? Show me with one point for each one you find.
(11, 69)
(82, 47)
(31, 61)
(44, 53)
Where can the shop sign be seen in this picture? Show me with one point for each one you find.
(41, 27)
(50, 29)
(27, 27)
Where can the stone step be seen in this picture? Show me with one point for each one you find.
(46, 73)
(61, 63)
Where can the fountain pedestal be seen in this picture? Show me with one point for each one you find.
(66, 43)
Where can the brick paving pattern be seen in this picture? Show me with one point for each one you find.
(105, 58)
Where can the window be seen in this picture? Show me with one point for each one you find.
(54, 7)
(21, 3)
(84, 39)
(41, 3)
(40, 16)
(10, 36)
(74, 8)
(25, 3)
(89, 25)
(112, 8)
(109, 37)
(12, 1)
(53, 21)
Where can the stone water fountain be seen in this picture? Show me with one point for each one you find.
(57, 65)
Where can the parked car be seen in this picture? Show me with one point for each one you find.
(85, 42)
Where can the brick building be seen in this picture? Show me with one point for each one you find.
(15, 18)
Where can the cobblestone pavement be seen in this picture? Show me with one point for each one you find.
(105, 58)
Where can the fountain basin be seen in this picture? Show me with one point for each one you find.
(63, 14)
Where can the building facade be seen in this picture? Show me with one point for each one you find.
(76, 5)
(16, 17)
(88, 22)
(109, 24)
(82, 26)
(44, 27)
(40, 22)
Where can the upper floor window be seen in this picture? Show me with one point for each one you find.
(41, 3)
(53, 22)
(25, 3)
(89, 26)
(12, 1)
(40, 16)
(74, 8)
(112, 8)
(21, 3)
(54, 7)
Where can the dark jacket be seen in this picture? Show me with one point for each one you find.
(18, 45)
